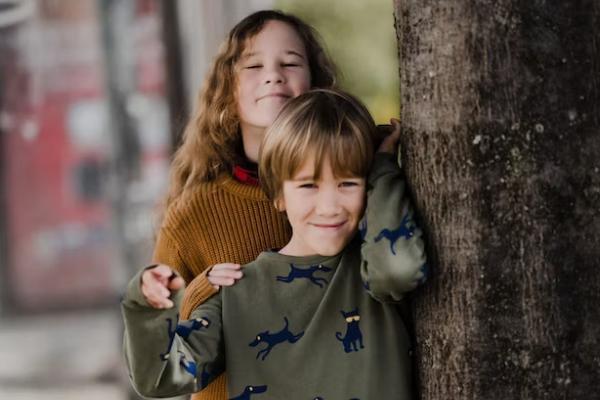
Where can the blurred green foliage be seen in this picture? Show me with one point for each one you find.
(360, 37)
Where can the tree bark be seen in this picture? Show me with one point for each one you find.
(501, 119)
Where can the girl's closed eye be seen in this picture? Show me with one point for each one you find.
(307, 185)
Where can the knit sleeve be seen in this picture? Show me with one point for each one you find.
(166, 251)
(393, 257)
(167, 357)
(198, 288)
(197, 292)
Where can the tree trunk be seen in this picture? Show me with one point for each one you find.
(501, 119)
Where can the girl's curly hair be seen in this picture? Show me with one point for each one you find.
(211, 140)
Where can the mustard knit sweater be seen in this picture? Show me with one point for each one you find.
(219, 221)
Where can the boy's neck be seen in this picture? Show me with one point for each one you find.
(287, 251)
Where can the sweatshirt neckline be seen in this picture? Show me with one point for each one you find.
(297, 260)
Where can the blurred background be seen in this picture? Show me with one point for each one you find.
(93, 97)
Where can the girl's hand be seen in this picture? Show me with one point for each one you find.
(225, 274)
(157, 284)
(389, 144)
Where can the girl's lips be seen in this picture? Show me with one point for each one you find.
(282, 95)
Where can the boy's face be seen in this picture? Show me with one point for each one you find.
(323, 213)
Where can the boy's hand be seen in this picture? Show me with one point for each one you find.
(157, 284)
(225, 274)
(389, 144)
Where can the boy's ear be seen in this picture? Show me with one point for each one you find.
(279, 204)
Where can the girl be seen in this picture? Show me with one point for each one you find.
(215, 210)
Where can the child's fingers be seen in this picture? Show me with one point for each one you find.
(162, 272)
(152, 287)
(176, 283)
(225, 274)
(389, 144)
(217, 282)
(226, 266)
(226, 270)
(225, 280)
(155, 283)
(160, 303)
(395, 127)
(156, 297)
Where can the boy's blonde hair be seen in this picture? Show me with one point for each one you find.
(321, 123)
(211, 141)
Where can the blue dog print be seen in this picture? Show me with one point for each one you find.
(362, 227)
(189, 365)
(307, 273)
(184, 329)
(273, 339)
(353, 337)
(249, 391)
(404, 230)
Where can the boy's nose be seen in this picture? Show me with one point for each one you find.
(327, 205)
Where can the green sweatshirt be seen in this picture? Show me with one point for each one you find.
(312, 327)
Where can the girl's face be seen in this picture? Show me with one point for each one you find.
(272, 69)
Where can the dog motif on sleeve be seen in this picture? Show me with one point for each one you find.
(405, 230)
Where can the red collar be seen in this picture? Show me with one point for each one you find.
(246, 174)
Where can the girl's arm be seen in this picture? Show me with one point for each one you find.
(393, 256)
(167, 357)
(200, 287)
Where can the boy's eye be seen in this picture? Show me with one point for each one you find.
(307, 185)
(253, 66)
(349, 184)
(290, 65)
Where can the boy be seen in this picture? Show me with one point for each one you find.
(317, 319)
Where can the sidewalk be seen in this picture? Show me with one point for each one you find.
(66, 356)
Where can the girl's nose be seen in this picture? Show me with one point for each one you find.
(274, 75)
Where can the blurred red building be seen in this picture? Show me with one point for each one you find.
(84, 152)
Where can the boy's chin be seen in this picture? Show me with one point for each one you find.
(333, 250)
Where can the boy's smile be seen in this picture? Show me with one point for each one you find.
(324, 212)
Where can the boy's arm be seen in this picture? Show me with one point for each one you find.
(393, 257)
(167, 357)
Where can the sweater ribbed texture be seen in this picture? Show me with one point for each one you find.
(219, 221)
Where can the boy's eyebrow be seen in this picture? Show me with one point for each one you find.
(303, 178)
(312, 178)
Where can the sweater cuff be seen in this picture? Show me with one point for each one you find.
(197, 292)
